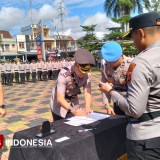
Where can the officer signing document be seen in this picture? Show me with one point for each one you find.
(64, 99)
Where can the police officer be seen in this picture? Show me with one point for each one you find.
(2, 106)
(142, 104)
(27, 68)
(2, 72)
(8, 72)
(16, 71)
(39, 69)
(33, 70)
(64, 97)
(114, 71)
(22, 72)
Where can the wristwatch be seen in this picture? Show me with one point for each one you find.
(2, 106)
(70, 108)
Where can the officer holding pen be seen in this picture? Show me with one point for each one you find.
(64, 99)
(142, 104)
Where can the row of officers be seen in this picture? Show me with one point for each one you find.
(22, 72)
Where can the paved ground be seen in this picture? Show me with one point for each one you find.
(28, 105)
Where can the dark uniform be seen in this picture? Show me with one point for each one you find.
(69, 84)
(142, 105)
(112, 52)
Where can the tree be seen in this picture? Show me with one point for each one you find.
(155, 6)
(89, 41)
(117, 8)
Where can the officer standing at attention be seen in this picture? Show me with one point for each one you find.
(2, 106)
(33, 70)
(22, 72)
(142, 105)
(114, 71)
(64, 97)
(2, 73)
(16, 71)
(27, 67)
(8, 72)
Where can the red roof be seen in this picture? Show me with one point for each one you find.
(5, 34)
(70, 38)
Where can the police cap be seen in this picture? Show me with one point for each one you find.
(83, 56)
(142, 21)
(111, 51)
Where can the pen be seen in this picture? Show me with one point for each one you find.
(85, 130)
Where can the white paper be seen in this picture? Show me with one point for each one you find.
(62, 139)
(83, 120)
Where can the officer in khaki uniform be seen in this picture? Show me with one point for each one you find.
(114, 71)
(64, 97)
(2, 73)
(142, 104)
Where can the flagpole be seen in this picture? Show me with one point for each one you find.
(42, 39)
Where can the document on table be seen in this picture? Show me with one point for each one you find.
(82, 120)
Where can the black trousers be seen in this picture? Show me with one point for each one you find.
(3, 76)
(16, 77)
(34, 76)
(39, 74)
(9, 78)
(22, 77)
(57, 117)
(27, 76)
(143, 149)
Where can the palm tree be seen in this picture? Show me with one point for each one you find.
(155, 6)
(117, 8)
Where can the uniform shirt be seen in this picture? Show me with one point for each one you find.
(39, 66)
(33, 67)
(2, 68)
(116, 77)
(66, 85)
(22, 68)
(8, 67)
(27, 67)
(143, 81)
(15, 67)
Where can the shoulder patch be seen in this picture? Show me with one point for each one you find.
(66, 74)
(130, 70)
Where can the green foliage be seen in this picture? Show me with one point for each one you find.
(128, 47)
(89, 41)
(117, 8)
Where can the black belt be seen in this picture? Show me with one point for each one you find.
(144, 117)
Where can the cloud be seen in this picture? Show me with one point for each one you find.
(100, 20)
(13, 19)
(10, 17)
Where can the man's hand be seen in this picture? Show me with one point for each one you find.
(88, 110)
(2, 112)
(105, 87)
(78, 112)
(110, 110)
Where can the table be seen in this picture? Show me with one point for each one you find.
(106, 142)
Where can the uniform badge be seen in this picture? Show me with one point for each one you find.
(130, 71)
(66, 74)
(108, 73)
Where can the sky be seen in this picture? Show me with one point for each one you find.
(15, 14)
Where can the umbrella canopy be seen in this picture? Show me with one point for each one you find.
(16, 59)
(50, 58)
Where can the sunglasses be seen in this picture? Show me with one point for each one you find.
(84, 68)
